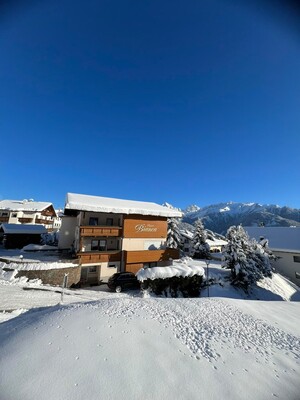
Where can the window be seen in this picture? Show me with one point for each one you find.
(102, 245)
(98, 245)
(150, 265)
(4, 214)
(94, 245)
(92, 270)
(93, 221)
(109, 221)
(14, 215)
(186, 249)
(111, 266)
(297, 259)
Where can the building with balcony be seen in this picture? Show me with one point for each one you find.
(111, 235)
(28, 212)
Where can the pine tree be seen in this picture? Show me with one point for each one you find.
(247, 259)
(200, 247)
(174, 239)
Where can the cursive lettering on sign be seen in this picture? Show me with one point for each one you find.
(145, 228)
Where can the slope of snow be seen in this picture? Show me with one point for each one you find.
(149, 349)
(103, 345)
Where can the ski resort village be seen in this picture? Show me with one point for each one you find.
(121, 299)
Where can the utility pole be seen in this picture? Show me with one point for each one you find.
(207, 264)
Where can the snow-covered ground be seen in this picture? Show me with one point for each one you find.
(103, 345)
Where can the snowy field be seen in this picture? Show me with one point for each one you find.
(103, 345)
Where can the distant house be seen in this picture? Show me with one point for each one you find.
(284, 243)
(215, 245)
(29, 212)
(16, 236)
(110, 235)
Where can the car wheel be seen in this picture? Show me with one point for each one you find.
(118, 289)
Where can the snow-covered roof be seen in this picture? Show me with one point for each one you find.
(23, 205)
(84, 202)
(280, 238)
(23, 228)
(216, 242)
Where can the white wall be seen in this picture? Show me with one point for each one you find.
(67, 232)
(287, 266)
(142, 244)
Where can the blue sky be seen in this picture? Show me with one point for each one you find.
(178, 101)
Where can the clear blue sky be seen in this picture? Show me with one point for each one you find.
(184, 101)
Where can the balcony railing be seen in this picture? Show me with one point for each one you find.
(43, 221)
(95, 231)
(90, 257)
(4, 219)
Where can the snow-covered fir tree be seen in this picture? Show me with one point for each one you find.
(200, 247)
(247, 259)
(174, 239)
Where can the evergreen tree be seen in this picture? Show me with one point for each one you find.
(174, 239)
(200, 247)
(247, 259)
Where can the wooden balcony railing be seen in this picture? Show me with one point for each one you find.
(90, 257)
(95, 231)
(4, 219)
(43, 221)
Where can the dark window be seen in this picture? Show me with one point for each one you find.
(109, 221)
(297, 259)
(93, 221)
(150, 265)
(102, 245)
(14, 215)
(98, 245)
(94, 245)
(92, 269)
(4, 214)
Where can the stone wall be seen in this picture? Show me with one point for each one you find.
(53, 276)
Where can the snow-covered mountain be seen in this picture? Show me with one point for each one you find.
(219, 217)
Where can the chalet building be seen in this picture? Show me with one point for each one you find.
(215, 245)
(111, 235)
(28, 212)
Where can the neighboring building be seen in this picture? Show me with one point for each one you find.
(28, 212)
(16, 236)
(110, 235)
(284, 242)
(215, 245)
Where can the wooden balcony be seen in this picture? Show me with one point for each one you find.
(43, 221)
(91, 257)
(98, 231)
(143, 256)
(4, 219)
(25, 220)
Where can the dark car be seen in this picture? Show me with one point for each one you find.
(122, 281)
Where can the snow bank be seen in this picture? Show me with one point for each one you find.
(38, 247)
(35, 266)
(182, 268)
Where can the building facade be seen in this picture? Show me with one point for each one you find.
(112, 235)
(285, 244)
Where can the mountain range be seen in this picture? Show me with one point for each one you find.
(219, 217)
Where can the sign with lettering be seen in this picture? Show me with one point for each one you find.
(144, 227)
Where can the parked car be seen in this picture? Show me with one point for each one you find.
(122, 281)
